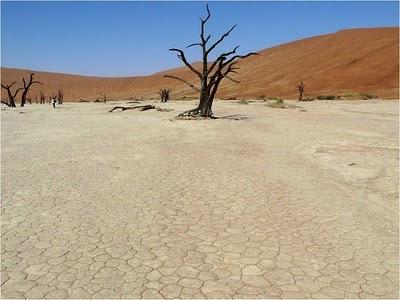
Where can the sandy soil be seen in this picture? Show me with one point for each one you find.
(284, 203)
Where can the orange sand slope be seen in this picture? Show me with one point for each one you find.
(349, 61)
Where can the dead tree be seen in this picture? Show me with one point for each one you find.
(42, 98)
(140, 107)
(165, 94)
(60, 96)
(212, 74)
(27, 86)
(104, 97)
(301, 90)
(11, 95)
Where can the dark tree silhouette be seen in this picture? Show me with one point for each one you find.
(60, 96)
(11, 95)
(27, 86)
(165, 94)
(301, 90)
(211, 74)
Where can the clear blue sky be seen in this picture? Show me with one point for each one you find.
(133, 38)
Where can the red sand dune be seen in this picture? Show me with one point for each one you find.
(349, 61)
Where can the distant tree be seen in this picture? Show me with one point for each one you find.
(301, 87)
(27, 85)
(210, 75)
(11, 95)
(104, 96)
(60, 96)
(165, 94)
(42, 98)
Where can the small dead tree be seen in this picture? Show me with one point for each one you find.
(27, 85)
(165, 94)
(42, 98)
(11, 95)
(98, 100)
(60, 96)
(301, 90)
(104, 97)
(212, 74)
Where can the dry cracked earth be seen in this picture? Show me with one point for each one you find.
(286, 203)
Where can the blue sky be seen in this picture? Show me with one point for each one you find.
(133, 38)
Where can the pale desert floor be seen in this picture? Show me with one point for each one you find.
(283, 204)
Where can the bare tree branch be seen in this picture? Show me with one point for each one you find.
(203, 22)
(184, 81)
(194, 44)
(231, 79)
(165, 94)
(221, 39)
(27, 86)
(182, 57)
(222, 57)
(8, 86)
(11, 95)
(140, 107)
(240, 56)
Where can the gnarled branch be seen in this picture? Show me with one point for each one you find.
(11, 95)
(203, 22)
(222, 57)
(221, 39)
(182, 57)
(141, 107)
(8, 86)
(27, 86)
(231, 79)
(240, 56)
(184, 81)
(194, 44)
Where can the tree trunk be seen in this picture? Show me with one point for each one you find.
(301, 90)
(23, 98)
(12, 103)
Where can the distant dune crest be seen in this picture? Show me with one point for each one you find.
(349, 61)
